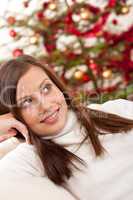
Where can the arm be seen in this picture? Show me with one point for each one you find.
(22, 161)
(22, 173)
(32, 189)
(121, 107)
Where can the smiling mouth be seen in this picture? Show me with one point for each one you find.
(51, 118)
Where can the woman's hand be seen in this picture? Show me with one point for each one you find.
(9, 126)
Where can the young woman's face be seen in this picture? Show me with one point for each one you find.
(42, 104)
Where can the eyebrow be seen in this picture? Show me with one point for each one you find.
(31, 95)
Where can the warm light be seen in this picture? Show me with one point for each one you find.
(52, 6)
(125, 10)
(107, 74)
(33, 40)
(85, 14)
(78, 74)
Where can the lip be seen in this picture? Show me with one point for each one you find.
(51, 118)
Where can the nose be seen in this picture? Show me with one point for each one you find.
(43, 103)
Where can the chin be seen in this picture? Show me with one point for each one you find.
(53, 127)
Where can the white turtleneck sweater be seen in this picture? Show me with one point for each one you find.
(106, 178)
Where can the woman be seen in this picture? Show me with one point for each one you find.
(75, 146)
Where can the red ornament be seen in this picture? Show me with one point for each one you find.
(12, 33)
(93, 66)
(50, 47)
(11, 20)
(26, 4)
(112, 3)
(114, 21)
(39, 15)
(45, 5)
(85, 78)
(71, 55)
(127, 78)
(17, 52)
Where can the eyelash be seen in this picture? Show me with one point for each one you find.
(48, 86)
(22, 104)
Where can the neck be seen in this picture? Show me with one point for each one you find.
(69, 125)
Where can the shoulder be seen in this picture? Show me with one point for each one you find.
(120, 107)
(23, 160)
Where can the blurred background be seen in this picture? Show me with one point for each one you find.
(88, 43)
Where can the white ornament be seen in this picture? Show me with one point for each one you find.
(65, 42)
(124, 22)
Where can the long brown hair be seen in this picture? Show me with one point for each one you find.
(57, 160)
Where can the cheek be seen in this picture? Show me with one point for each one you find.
(62, 101)
(58, 96)
(30, 116)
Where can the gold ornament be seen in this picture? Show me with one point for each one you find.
(34, 39)
(100, 33)
(85, 14)
(125, 9)
(46, 22)
(52, 6)
(107, 74)
(78, 75)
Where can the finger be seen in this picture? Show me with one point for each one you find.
(12, 131)
(7, 136)
(22, 129)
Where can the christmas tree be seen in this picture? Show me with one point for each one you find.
(88, 43)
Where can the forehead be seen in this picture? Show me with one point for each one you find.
(30, 81)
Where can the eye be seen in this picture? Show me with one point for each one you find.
(46, 88)
(26, 102)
